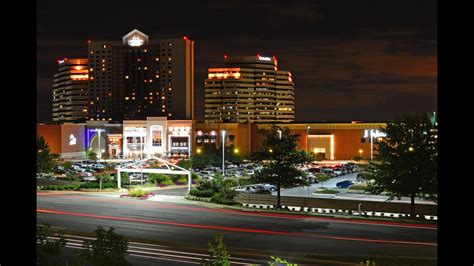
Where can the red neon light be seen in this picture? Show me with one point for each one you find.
(89, 41)
(65, 58)
(185, 38)
(225, 56)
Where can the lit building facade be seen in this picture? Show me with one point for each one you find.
(69, 102)
(104, 139)
(139, 77)
(334, 141)
(249, 89)
(157, 136)
(68, 139)
(164, 138)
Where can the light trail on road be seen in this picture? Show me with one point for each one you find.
(254, 213)
(233, 229)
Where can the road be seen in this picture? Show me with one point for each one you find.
(244, 232)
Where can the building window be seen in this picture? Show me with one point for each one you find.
(156, 132)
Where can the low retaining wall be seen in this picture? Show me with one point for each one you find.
(367, 206)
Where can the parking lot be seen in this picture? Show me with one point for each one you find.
(308, 191)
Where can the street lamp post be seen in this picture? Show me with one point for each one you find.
(223, 145)
(371, 145)
(100, 149)
(307, 134)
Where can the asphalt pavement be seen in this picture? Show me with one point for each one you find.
(186, 224)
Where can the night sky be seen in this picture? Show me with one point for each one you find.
(350, 60)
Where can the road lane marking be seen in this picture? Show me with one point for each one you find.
(234, 229)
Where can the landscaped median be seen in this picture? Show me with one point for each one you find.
(88, 186)
(138, 194)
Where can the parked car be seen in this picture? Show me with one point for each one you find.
(88, 179)
(345, 184)
(338, 172)
(250, 172)
(86, 174)
(269, 187)
(239, 188)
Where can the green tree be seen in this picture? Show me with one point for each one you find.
(67, 166)
(109, 248)
(279, 158)
(124, 180)
(407, 161)
(186, 164)
(44, 159)
(48, 249)
(209, 155)
(232, 155)
(322, 177)
(219, 254)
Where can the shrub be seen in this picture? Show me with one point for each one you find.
(175, 178)
(183, 179)
(157, 178)
(213, 185)
(136, 193)
(230, 182)
(167, 182)
(201, 193)
(89, 185)
(219, 199)
(244, 181)
(195, 176)
(362, 186)
(228, 193)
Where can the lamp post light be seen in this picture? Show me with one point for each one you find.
(279, 134)
(360, 153)
(223, 147)
(307, 134)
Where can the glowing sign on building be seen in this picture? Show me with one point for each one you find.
(374, 133)
(135, 41)
(263, 58)
(72, 140)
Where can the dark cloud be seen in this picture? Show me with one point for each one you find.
(372, 59)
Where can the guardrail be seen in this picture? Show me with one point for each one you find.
(337, 204)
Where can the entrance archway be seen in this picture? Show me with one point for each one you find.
(171, 169)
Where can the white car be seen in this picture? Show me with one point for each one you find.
(250, 172)
(338, 172)
(86, 174)
(88, 178)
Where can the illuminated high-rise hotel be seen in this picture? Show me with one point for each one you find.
(70, 91)
(249, 89)
(139, 77)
